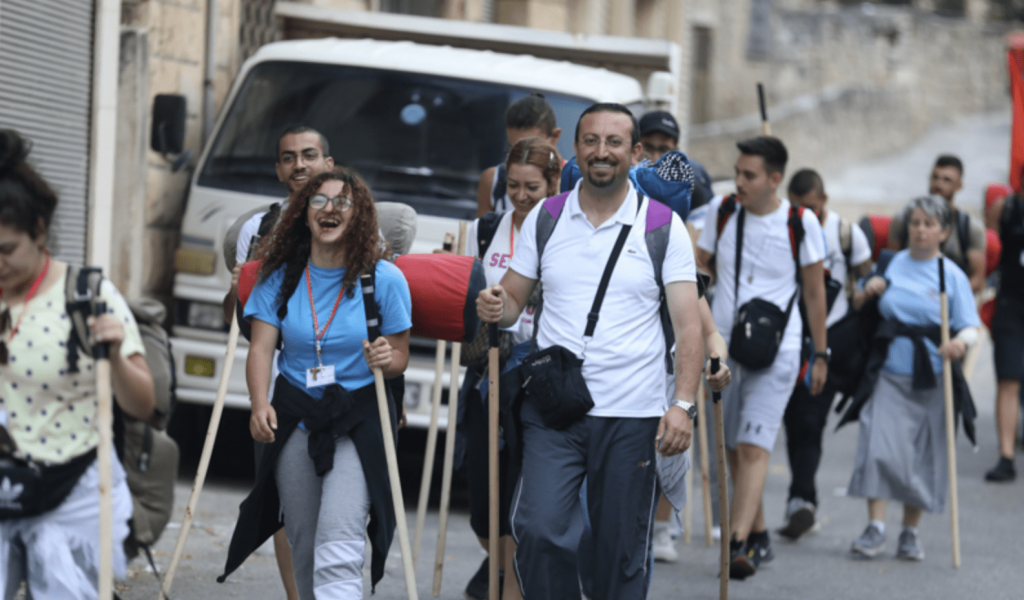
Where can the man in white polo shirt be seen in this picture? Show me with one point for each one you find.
(754, 403)
(614, 445)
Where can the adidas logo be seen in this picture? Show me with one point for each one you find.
(9, 494)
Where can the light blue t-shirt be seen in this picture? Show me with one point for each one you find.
(342, 344)
(912, 298)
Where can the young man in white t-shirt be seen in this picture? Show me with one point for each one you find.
(847, 250)
(755, 402)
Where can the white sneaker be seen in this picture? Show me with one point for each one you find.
(663, 547)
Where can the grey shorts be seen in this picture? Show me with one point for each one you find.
(755, 401)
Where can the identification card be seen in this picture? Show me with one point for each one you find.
(318, 376)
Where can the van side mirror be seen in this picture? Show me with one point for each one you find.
(167, 133)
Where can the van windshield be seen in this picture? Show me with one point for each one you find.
(406, 133)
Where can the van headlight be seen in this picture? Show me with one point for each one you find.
(204, 315)
(412, 394)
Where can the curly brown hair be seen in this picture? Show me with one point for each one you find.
(291, 240)
(541, 154)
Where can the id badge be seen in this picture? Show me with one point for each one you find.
(318, 376)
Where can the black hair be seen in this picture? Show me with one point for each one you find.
(615, 108)
(805, 181)
(771, 149)
(296, 129)
(949, 160)
(529, 112)
(26, 200)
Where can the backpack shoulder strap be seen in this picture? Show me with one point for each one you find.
(269, 219)
(547, 217)
(486, 226)
(846, 240)
(656, 236)
(725, 210)
(500, 186)
(796, 235)
(81, 290)
(963, 232)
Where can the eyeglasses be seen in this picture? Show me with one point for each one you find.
(319, 201)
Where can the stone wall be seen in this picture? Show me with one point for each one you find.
(843, 84)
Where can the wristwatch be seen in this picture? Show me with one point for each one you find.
(827, 355)
(688, 407)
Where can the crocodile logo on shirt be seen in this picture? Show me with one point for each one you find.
(9, 494)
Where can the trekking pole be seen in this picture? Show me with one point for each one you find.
(688, 507)
(492, 460)
(766, 129)
(705, 476)
(449, 446)
(947, 384)
(373, 332)
(723, 488)
(105, 422)
(428, 459)
(204, 460)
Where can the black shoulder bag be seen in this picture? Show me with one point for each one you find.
(759, 325)
(553, 377)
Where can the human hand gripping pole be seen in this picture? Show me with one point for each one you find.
(373, 332)
(105, 422)
(492, 459)
(723, 488)
(947, 384)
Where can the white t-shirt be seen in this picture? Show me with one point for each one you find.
(624, 364)
(499, 257)
(835, 262)
(768, 270)
(249, 229)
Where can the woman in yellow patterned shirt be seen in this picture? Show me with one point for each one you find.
(49, 481)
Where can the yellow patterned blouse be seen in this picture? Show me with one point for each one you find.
(50, 413)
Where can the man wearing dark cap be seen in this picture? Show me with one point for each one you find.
(659, 134)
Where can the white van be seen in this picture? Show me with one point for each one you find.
(419, 123)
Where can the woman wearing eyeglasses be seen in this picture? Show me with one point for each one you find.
(49, 530)
(324, 464)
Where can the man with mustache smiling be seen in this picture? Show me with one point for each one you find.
(614, 445)
(302, 153)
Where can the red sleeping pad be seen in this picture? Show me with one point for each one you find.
(443, 287)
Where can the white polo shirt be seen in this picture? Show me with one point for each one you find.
(624, 365)
(767, 271)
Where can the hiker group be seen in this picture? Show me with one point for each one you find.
(618, 282)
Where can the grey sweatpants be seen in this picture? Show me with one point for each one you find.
(324, 518)
(616, 455)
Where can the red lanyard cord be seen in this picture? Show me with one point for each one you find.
(316, 326)
(31, 293)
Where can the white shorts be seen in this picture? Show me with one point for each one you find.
(755, 401)
(57, 552)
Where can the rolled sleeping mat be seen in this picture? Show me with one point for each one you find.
(876, 228)
(443, 288)
(993, 249)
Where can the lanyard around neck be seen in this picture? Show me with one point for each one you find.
(319, 333)
(31, 293)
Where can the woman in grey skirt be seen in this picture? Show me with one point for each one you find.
(901, 448)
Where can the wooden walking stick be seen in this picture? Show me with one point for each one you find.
(104, 457)
(373, 332)
(204, 459)
(428, 459)
(688, 507)
(947, 384)
(705, 476)
(766, 129)
(492, 460)
(449, 446)
(723, 488)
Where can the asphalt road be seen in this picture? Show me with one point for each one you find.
(819, 566)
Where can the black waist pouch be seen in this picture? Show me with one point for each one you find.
(757, 333)
(28, 489)
(553, 382)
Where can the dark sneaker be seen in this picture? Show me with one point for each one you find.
(909, 547)
(799, 519)
(759, 548)
(1003, 471)
(476, 589)
(741, 561)
(869, 544)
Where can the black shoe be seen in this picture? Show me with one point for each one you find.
(741, 561)
(476, 589)
(1003, 471)
(800, 519)
(759, 548)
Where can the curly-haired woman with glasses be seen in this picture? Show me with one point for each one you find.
(324, 466)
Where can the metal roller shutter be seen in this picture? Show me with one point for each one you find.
(45, 90)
